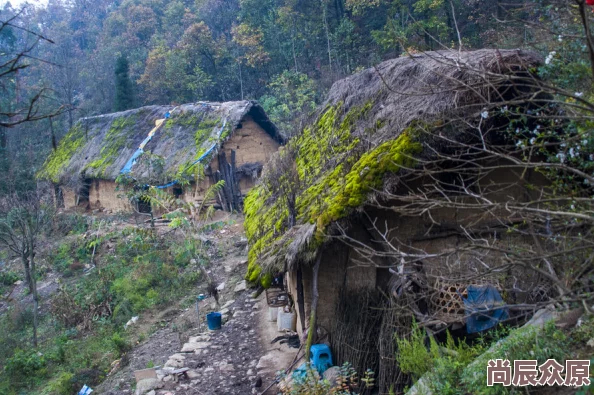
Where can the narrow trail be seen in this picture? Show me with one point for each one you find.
(238, 359)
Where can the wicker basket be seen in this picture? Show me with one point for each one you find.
(276, 297)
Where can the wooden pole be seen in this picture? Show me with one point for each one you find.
(301, 297)
(314, 307)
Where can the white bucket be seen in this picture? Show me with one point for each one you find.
(272, 313)
(286, 321)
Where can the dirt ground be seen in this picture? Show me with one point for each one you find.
(238, 359)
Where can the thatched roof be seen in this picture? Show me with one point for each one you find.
(99, 147)
(429, 86)
(364, 134)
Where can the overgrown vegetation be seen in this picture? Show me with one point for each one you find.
(458, 367)
(135, 270)
(337, 175)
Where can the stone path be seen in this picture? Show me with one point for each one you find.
(217, 362)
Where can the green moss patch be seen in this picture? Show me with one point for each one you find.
(336, 173)
(60, 158)
(116, 138)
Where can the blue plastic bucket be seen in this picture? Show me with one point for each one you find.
(214, 321)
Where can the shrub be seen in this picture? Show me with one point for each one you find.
(413, 356)
(8, 277)
(523, 343)
(73, 223)
(120, 344)
(61, 385)
(23, 366)
(20, 318)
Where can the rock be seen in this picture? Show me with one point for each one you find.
(267, 363)
(241, 286)
(131, 322)
(541, 317)
(332, 374)
(225, 367)
(192, 374)
(19, 282)
(590, 343)
(151, 392)
(220, 287)
(146, 385)
(191, 347)
(208, 370)
(224, 311)
(256, 306)
(198, 339)
(175, 361)
(228, 304)
(420, 387)
(145, 374)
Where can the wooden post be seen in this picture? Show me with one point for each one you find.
(224, 169)
(300, 297)
(236, 190)
(314, 307)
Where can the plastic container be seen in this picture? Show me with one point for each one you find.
(214, 321)
(272, 313)
(321, 357)
(286, 321)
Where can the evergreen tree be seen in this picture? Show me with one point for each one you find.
(124, 96)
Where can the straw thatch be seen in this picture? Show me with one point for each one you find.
(431, 86)
(377, 105)
(99, 147)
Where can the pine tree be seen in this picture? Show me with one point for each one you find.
(124, 97)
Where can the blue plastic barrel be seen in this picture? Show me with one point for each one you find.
(214, 321)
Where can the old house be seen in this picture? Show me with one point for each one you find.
(156, 145)
(397, 201)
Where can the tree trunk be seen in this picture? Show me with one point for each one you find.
(53, 135)
(33, 287)
(314, 307)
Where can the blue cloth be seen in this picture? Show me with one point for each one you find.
(128, 166)
(484, 307)
(85, 390)
(130, 163)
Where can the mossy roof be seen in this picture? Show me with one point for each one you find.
(99, 147)
(364, 133)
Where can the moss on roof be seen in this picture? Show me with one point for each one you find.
(99, 147)
(366, 131)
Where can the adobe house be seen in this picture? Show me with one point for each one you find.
(350, 224)
(153, 145)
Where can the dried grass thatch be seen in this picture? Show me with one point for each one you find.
(99, 147)
(432, 88)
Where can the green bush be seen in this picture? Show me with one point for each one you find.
(523, 343)
(121, 345)
(72, 223)
(61, 385)
(9, 277)
(413, 356)
(25, 365)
